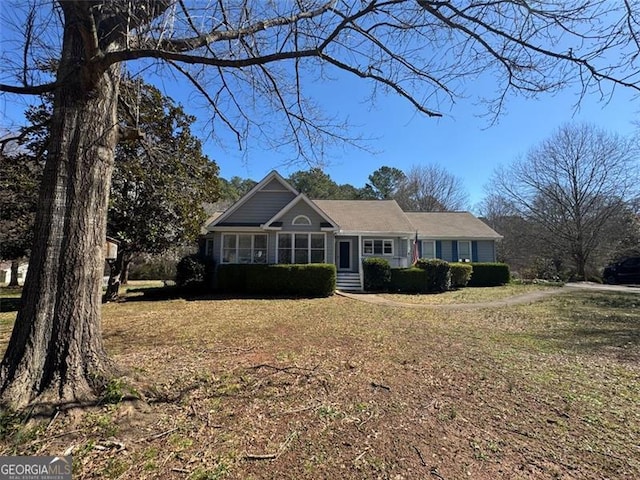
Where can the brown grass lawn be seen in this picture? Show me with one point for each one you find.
(340, 389)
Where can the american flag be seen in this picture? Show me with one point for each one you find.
(416, 254)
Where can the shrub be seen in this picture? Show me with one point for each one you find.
(377, 274)
(460, 274)
(438, 274)
(409, 280)
(489, 274)
(312, 280)
(190, 271)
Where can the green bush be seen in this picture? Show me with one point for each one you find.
(312, 280)
(489, 274)
(190, 271)
(377, 274)
(438, 274)
(460, 274)
(409, 280)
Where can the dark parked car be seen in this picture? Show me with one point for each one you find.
(624, 271)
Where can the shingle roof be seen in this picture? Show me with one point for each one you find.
(376, 216)
(450, 225)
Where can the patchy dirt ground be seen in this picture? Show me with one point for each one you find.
(337, 388)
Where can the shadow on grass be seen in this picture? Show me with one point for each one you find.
(10, 304)
(604, 323)
(160, 294)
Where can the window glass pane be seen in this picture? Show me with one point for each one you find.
(260, 242)
(284, 241)
(284, 248)
(317, 256)
(260, 249)
(244, 241)
(317, 241)
(229, 241)
(388, 247)
(368, 247)
(301, 256)
(377, 247)
(428, 250)
(302, 241)
(464, 250)
(301, 220)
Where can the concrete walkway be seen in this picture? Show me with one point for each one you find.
(514, 300)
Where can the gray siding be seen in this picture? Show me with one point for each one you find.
(260, 208)
(301, 208)
(486, 251)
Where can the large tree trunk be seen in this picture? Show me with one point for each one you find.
(55, 354)
(13, 276)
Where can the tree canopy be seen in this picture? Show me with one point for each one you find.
(576, 187)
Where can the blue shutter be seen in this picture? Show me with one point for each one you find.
(454, 250)
(474, 251)
(438, 249)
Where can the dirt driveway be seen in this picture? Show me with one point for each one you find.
(515, 300)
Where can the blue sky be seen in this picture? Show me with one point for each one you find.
(463, 140)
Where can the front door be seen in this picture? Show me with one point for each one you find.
(344, 254)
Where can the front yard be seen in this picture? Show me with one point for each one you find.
(337, 388)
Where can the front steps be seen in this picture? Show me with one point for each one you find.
(348, 282)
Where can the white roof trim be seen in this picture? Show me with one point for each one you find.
(293, 203)
(273, 174)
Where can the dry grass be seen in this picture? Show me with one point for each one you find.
(336, 388)
(468, 295)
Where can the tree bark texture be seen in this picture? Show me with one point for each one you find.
(55, 355)
(13, 276)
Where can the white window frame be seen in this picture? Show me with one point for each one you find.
(293, 245)
(370, 244)
(253, 248)
(460, 257)
(422, 250)
(301, 220)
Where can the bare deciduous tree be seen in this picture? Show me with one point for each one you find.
(431, 188)
(574, 186)
(247, 57)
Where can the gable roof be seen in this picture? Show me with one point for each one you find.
(303, 198)
(367, 216)
(273, 175)
(448, 225)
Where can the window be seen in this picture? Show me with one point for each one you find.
(464, 251)
(428, 249)
(301, 248)
(208, 249)
(244, 248)
(378, 247)
(301, 220)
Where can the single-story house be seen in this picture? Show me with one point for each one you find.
(273, 223)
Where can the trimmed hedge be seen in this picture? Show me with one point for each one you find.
(190, 271)
(460, 274)
(409, 280)
(489, 274)
(377, 274)
(312, 280)
(438, 274)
